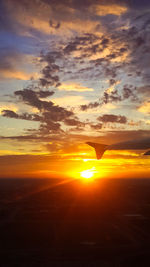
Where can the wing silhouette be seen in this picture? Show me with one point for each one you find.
(99, 149)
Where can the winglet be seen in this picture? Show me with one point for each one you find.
(99, 149)
(147, 153)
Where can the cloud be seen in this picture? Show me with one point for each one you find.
(83, 43)
(105, 43)
(50, 116)
(107, 98)
(59, 17)
(96, 127)
(49, 78)
(106, 9)
(9, 114)
(29, 137)
(140, 144)
(112, 118)
(128, 92)
(46, 17)
(8, 106)
(74, 122)
(125, 135)
(145, 107)
(15, 74)
(24, 116)
(144, 90)
(31, 98)
(91, 105)
(44, 94)
(11, 65)
(74, 87)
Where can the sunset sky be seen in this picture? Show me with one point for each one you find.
(73, 71)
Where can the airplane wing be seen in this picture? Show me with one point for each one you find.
(140, 144)
(99, 149)
(147, 153)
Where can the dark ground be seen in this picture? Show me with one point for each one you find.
(102, 223)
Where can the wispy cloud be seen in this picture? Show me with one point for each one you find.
(74, 87)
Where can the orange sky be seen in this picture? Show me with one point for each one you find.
(112, 165)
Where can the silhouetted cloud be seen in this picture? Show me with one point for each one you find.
(30, 98)
(74, 122)
(87, 45)
(111, 97)
(112, 118)
(96, 127)
(128, 92)
(140, 144)
(44, 94)
(89, 106)
(9, 114)
(50, 115)
(124, 135)
(48, 72)
(24, 116)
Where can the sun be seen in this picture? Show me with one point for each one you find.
(87, 174)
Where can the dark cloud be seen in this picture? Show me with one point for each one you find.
(139, 144)
(24, 116)
(30, 97)
(56, 113)
(54, 25)
(9, 114)
(124, 135)
(81, 43)
(84, 4)
(50, 115)
(48, 72)
(111, 97)
(110, 71)
(44, 94)
(50, 57)
(97, 62)
(74, 122)
(96, 127)
(88, 44)
(89, 106)
(128, 92)
(49, 127)
(29, 137)
(112, 118)
(35, 137)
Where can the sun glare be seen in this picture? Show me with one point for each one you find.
(87, 174)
